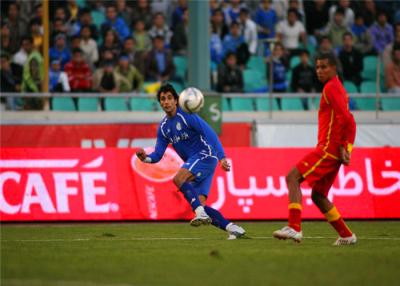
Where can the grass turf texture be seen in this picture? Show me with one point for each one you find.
(122, 254)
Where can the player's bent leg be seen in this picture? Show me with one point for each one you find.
(346, 237)
(182, 181)
(218, 220)
(293, 230)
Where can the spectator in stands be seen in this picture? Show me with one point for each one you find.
(392, 71)
(231, 11)
(279, 69)
(61, 14)
(57, 27)
(381, 32)
(230, 77)
(266, 20)
(234, 42)
(106, 80)
(216, 48)
(136, 58)
(179, 41)
(21, 57)
(218, 24)
(159, 63)
(6, 46)
(290, 32)
(337, 28)
(303, 77)
(78, 71)
(318, 11)
(116, 23)
(295, 4)
(73, 10)
(368, 12)
(160, 28)
(362, 36)
(178, 13)
(10, 74)
(35, 32)
(60, 50)
(58, 80)
(88, 46)
(131, 78)
(110, 43)
(348, 12)
(141, 37)
(387, 53)
(32, 78)
(124, 11)
(351, 60)
(249, 30)
(142, 11)
(86, 20)
(16, 24)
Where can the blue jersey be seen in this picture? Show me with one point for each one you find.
(189, 135)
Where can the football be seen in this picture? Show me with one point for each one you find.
(191, 100)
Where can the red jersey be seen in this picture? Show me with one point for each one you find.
(336, 125)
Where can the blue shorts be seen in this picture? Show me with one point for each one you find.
(203, 168)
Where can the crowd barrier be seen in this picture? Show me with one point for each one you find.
(57, 184)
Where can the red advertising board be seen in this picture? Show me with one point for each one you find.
(111, 184)
(103, 135)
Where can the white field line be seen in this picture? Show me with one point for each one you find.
(174, 238)
(36, 282)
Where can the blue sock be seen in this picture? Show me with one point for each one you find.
(190, 195)
(217, 219)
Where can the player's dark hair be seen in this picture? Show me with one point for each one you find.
(167, 87)
(327, 56)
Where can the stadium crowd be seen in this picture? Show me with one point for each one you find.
(122, 46)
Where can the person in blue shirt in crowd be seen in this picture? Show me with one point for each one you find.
(234, 42)
(199, 147)
(60, 50)
(115, 22)
(266, 20)
(279, 67)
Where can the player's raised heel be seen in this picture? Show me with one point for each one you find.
(346, 240)
(235, 231)
(288, 233)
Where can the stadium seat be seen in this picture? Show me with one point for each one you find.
(178, 86)
(180, 67)
(87, 104)
(254, 81)
(115, 104)
(242, 104)
(144, 104)
(257, 63)
(391, 103)
(366, 103)
(291, 103)
(350, 87)
(98, 18)
(294, 61)
(63, 104)
(225, 104)
(313, 103)
(369, 71)
(262, 104)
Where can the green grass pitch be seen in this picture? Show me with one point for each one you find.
(121, 254)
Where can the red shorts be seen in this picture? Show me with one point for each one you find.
(319, 169)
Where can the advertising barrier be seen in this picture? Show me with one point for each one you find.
(53, 184)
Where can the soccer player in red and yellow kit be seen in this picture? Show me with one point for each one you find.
(336, 134)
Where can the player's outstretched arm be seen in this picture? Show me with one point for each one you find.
(225, 165)
(141, 154)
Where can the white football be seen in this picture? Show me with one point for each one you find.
(191, 100)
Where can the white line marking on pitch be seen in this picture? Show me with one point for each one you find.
(176, 238)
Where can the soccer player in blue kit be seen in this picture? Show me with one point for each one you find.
(199, 147)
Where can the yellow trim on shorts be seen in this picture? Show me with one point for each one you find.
(295, 206)
(315, 165)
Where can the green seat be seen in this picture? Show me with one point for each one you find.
(178, 87)
(87, 104)
(350, 87)
(257, 63)
(115, 104)
(63, 104)
(180, 67)
(144, 104)
(294, 61)
(291, 103)
(225, 104)
(242, 104)
(254, 81)
(313, 103)
(390, 103)
(98, 18)
(364, 103)
(369, 71)
(262, 104)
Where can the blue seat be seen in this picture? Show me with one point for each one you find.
(350, 87)
(254, 81)
(242, 104)
(144, 104)
(294, 61)
(180, 67)
(257, 63)
(115, 104)
(63, 104)
(390, 103)
(262, 104)
(87, 104)
(291, 103)
(369, 71)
